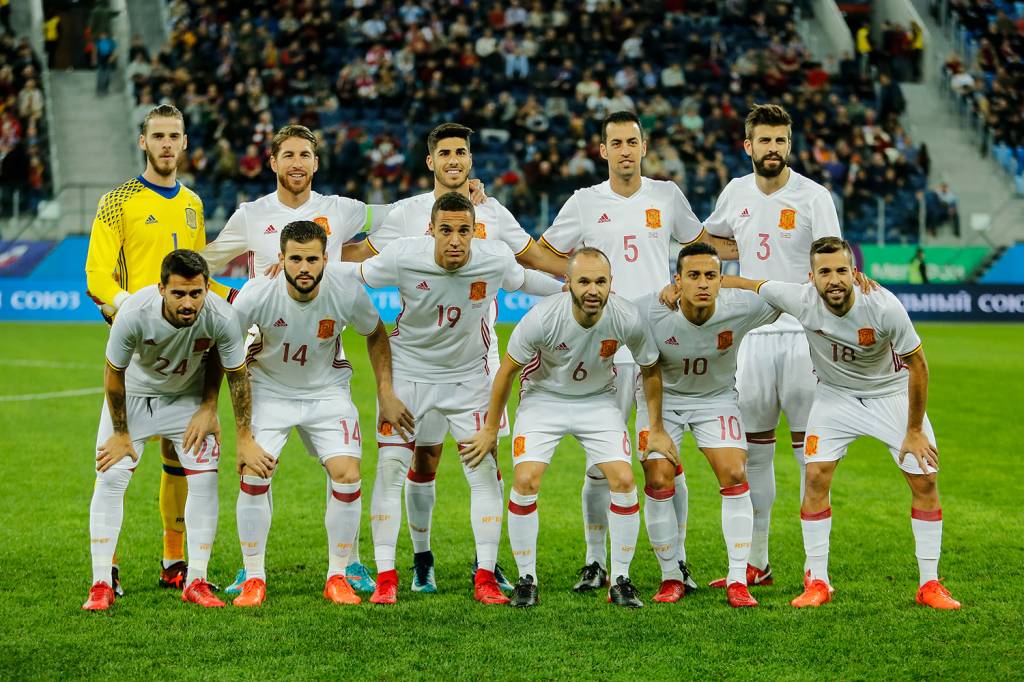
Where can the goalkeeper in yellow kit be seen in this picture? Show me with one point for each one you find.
(136, 225)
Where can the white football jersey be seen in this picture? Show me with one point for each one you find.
(860, 352)
(256, 226)
(634, 232)
(411, 218)
(442, 334)
(164, 360)
(562, 358)
(774, 232)
(298, 351)
(698, 362)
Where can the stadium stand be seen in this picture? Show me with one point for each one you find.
(373, 81)
(24, 173)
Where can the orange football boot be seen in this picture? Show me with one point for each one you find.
(386, 591)
(254, 591)
(670, 592)
(101, 596)
(339, 591)
(934, 594)
(199, 592)
(755, 576)
(817, 592)
(739, 596)
(485, 588)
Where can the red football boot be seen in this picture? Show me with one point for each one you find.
(101, 596)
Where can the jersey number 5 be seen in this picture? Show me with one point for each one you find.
(631, 249)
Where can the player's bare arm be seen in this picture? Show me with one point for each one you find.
(392, 410)
(119, 445)
(658, 440)
(205, 422)
(250, 455)
(544, 260)
(727, 249)
(916, 442)
(737, 282)
(485, 441)
(356, 252)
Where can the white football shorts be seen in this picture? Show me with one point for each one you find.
(439, 409)
(596, 422)
(328, 426)
(774, 374)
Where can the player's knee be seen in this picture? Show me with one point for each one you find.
(924, 487)
(426, 460)
(818, 480)
(527, 485)
(731, 473)
(115, 480)
(620, 479)
(659, 474)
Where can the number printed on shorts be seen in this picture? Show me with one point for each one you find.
(481, 418)
(733, 424)
(163, 363)
(765, 252)
(452, 315)
(351, 433)
(298, 356)
(843, 353)
(696, 366)
(631, 249)
(207, 454)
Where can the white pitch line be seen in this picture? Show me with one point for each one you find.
(13, 362)
(55, 394)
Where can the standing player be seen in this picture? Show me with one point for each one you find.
(154, 375)
(860, 345)
(698, 359)
(448, 284)
(565, 347)
(136, 225)
(451, 161)
(773, 214)
(255, 227)
(299, 381)
(632, 219)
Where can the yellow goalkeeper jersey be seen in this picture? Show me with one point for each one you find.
(137, 224)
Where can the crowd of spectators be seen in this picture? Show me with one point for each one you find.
(534, 79)
(990, 78)
(24, 178)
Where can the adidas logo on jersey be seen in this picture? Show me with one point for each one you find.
(671, 342)
(562, 346)
(604, 219)
(745, 213)
(423, 286)
(270, 230)
(280, 322)
(151, 220)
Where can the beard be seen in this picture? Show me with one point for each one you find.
(156, 163)
(578, 300)
(284, 181)
(764, 172)
(307, 289)
(847, 293)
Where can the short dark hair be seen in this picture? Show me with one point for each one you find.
(831, 245)
(696, 249)
(620, 117)
(292, 130)
(184, 263)
(585, 251)
(452, 201)
(303, 232)
(766, 115)
(162, 111)
(446, 130)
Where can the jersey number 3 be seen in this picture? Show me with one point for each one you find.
(765, 251)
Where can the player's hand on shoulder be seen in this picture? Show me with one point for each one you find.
(659, 441)
(477, 193)
(917, 444)
(865, 283)
(254, 458)
(272, 271)
(203, 423)
(482, 444)
(394, 412)
(669, 296)
(117, 447)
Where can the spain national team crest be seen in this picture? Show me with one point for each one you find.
(478, 291)
(641, 439)
(325, 330)
(191, 218)
(866, 336)
(725, 340)
(787, 219)
(385, 429)
(608, 348)
(323, 222)
(480, 231)
(811, 446)
(653, 218)
(519, 446)
(202, 345)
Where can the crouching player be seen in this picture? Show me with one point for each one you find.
(565, 347)
(872, 381)
(698, 344)
(153, 380)
(300, 379)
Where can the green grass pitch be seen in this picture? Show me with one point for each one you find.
(871, 630)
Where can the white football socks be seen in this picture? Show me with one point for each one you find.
(106, 512)
(595, 517)
(680, 500)
(660, 518)
(761, 478)
(420, 496)
(386, 506)
(816, 530)
(523, 523)
(253, 515)
(201, 510)
(485, 503)
(342, 522)
(623, 527)
(927, 526)
(737, 527)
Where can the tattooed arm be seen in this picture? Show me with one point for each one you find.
(252, 459)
